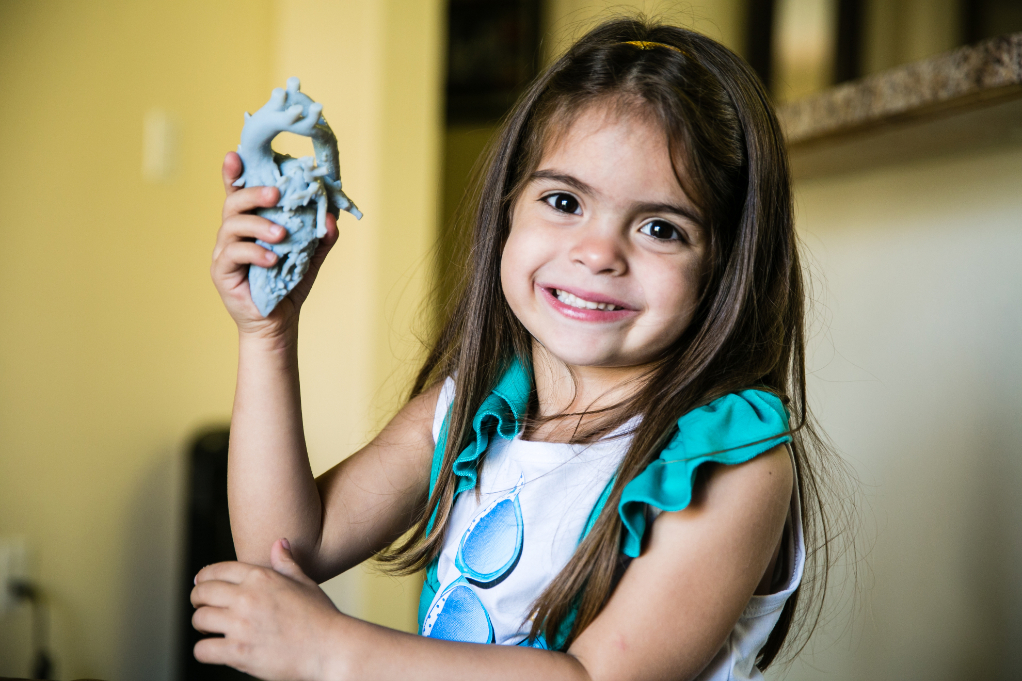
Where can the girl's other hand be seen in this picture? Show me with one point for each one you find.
(236, 249)
(276, 624)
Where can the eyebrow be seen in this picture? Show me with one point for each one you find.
(572, 182)
(581, 187)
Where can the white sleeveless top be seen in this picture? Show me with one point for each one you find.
(507, 541)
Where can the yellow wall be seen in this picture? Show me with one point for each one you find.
(114, 347)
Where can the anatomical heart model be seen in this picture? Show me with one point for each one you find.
(309, 188)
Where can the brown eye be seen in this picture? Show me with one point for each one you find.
(565, 203)
(658, 229)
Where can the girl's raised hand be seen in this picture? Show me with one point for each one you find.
(277, 623)
(236, 249)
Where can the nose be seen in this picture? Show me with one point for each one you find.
(601, 251)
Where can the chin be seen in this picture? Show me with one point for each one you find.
(573, 355)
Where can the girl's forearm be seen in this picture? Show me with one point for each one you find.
(362, 650)
(271, 489)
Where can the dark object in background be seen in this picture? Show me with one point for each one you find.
(492, 53)
(851, 29)
(983, 19)
(207, 540)
(759, 39)
(42, 664)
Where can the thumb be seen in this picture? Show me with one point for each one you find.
(283, 562)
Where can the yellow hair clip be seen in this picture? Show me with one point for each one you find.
(646, 45)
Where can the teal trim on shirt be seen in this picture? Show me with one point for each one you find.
(730, 430)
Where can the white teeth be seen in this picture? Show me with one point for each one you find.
(575, 301)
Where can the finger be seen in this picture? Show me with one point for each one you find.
(216, 651)
(249, 227)
(241, 253)
(210, 620)
(232, 571)
(283, 562)
(330, 238)
(216, 593)
(231, 171)
(250, 198)
(246, 228)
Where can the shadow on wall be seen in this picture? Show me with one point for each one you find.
(995, 514)
(994, 509)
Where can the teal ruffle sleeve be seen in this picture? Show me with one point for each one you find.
(729, 430)
(501, 414)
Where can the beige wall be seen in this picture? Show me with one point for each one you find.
(917, 377)
(114, 347)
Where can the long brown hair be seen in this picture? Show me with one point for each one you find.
(729, 154)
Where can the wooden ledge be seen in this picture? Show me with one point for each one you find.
(967, 98)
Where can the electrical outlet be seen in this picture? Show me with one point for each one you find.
(13, 566)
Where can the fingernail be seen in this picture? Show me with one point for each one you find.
(270, 256)
(286, 544)
(277, 231)
(195, 580)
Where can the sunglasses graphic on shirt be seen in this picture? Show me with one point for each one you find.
(489, 551)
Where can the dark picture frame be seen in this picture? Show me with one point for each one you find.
(493, 48)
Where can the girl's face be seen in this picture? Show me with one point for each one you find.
(604, 261)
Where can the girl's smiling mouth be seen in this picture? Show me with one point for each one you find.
(585, 305)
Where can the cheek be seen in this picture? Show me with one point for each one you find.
(675, 292)
(515, 270)
(521, 257)
(509, 265)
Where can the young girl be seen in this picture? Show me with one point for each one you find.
(596, 468)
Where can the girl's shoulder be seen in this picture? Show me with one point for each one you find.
(730, 430)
